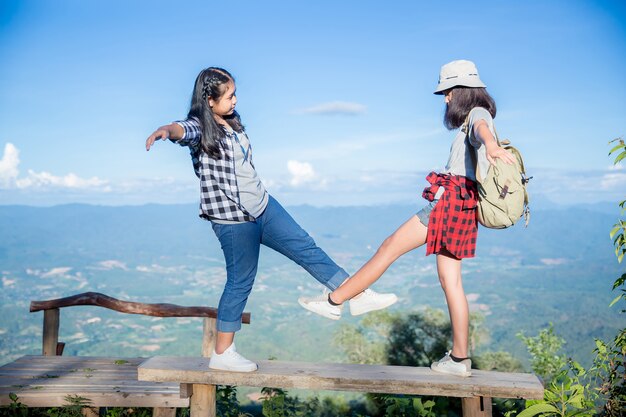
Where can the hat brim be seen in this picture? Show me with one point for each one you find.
(472, 82)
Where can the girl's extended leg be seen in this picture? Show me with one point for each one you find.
(411, 235)
(281, 233)
(449, 270)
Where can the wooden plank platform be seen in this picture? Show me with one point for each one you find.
(45, 381)
(345, 377)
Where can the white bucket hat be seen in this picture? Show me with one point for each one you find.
(458, 73)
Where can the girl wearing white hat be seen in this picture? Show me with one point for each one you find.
(447, 224)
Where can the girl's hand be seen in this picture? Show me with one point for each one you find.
(496, 152)
(161, 133)
(172, 131)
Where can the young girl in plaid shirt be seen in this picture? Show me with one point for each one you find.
(447, 225)
(243, 215)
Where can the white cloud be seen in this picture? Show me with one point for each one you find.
(159, 269)
(112, 264)
(6, 282)
(613, 181)
(553, 261)
(8, 165)
(45, 179)
(615, 178)
(57, 272)
(301, 173)
(9, 176)
(335, 108)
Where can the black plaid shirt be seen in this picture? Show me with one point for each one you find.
(219, 194)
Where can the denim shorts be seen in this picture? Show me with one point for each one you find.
(424, 213)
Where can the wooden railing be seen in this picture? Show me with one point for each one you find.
(51, 316)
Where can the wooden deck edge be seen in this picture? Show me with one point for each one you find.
(53, 399)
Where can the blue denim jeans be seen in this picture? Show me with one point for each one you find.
(240, 242)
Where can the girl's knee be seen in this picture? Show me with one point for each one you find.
(307, 242)
(240, 285)
(450, 283)
(389, 247)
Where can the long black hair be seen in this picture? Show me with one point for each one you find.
(211, 83)
(464, 99)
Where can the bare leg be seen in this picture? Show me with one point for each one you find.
(449, 269)
(223, 341)
(411, 235)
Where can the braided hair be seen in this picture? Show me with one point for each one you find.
(210, 83)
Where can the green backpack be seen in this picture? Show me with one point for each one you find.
(502, 195)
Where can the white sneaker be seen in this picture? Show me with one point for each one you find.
(230, 360)
(321, 306)
(370, 300)
(448, 366)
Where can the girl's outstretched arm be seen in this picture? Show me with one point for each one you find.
(172, 131)
(482, 133)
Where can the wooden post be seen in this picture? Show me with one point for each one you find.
(203, 396)
(89, 412)
(164, 412)
(209, 334)
(476, 407)
(51, 319)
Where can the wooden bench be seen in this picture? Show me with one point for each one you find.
(169, 382)
(476, 391)
(47, 380)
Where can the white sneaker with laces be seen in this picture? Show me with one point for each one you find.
(447, 365)
(321, 306)
(230, 360)
(370, 300)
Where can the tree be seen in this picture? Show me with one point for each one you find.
(418, 339)
(498, 361)
(545, 359)
(573, 391)
(610, 362)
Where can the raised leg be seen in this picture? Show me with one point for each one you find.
(411, 235)
(283, 234)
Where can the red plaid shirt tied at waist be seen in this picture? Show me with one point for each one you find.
(452, 224)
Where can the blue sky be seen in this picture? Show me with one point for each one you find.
(336, 96)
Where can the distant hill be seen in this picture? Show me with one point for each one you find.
(42, 233)
(558, 270)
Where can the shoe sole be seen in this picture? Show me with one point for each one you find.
(441, 371)
(380, 307)
(319, 313)
(233, 369)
